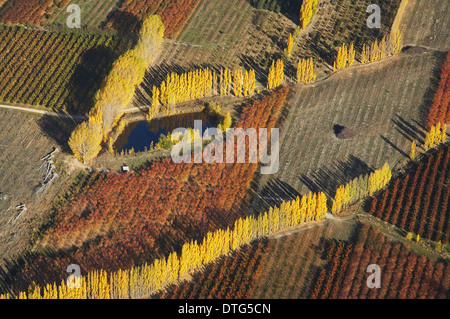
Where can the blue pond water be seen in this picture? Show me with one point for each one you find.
(140, 135)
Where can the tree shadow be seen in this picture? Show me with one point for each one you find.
(261, 72)
(328, 179)
(124, 23)
(59, 129)
(289, 8)
(410, 131)
(393, 145)
(93, 68)
(273, 194)
(17, 275)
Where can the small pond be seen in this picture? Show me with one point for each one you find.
(140, 134)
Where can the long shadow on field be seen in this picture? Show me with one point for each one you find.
(409, 130)
(289, 8)
(59, 129)
(273, 194)
(261, 73)
(158, 73)
(393, 145)
(87, 78)
(328, 179)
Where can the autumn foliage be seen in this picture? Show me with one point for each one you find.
(29, 11)
(418, 201)
(232, 277)
(404, 274)
(174, 14)
(440, 110)
(360, 188)
(117, 91)
(146, 215)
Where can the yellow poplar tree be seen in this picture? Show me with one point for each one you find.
(364, 58)
(412, 154)
(341, 58)
(351, 55)
(290, 45)
(238, 82)
(307, 11)
(271, 77)
(374, 51)
(85, 141)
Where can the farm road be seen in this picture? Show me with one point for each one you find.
(62, 115)
(30, 110)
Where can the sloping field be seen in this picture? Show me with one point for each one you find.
(272, 268)
(426, 23)
(224, 33)
(93, 13)
(290, 264)
(404, 274)
(343, 22)
(22, 145)
(381, 102)
(418, 201)
(52, 69)
(325, 261)
(235, 34)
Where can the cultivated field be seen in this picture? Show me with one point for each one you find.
(222, 34)
(54, 70)
(426, 23)
(381, 102)
(35, 12)
(93, 13)
(55, 211)
(230, 277)
(418, 200)
(405, 275)
(343, 22)
(325, 261)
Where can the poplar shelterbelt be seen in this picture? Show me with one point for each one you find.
(435, 136)
(360, 188)
(199, 83)
(117, 91)
(142, 281)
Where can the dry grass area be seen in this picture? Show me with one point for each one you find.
(426, 23)
(382, 102)
(22, 145)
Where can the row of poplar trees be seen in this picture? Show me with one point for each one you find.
(360, 188)
(117, 91)
(142, 281)
(389, 45)
(202, 83)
